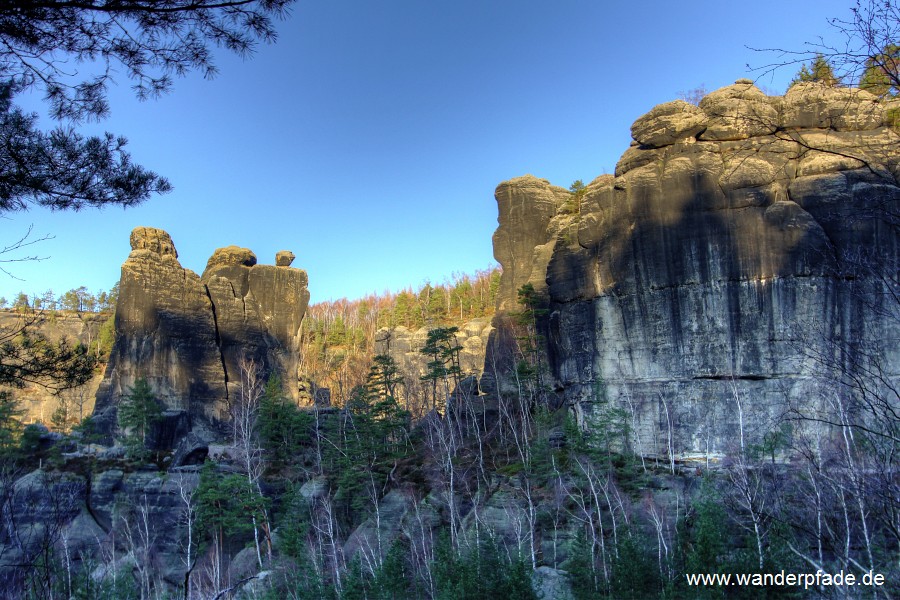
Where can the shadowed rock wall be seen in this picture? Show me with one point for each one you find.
(742, 259)
(186, 335)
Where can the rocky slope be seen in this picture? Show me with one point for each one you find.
(742, 259)
(187, 334)
(97, 514)
(37, 402)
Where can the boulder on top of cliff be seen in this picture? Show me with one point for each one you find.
(258, 313)
(149, 240)
(284, 258)
(667, 123)
(230, 256)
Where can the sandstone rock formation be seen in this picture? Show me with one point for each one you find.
(284, 258)
(404, 346)
(258, 310)
(38, 402)
(525, 235)
(92, 512)
(745, 252)
(187, 335)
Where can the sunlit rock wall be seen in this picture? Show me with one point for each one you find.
(742, 259)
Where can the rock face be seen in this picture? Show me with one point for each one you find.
(525, 237)
(94, 512)
(38, 402)
(258, 310)
(404, 346)
(743, 249)
(187, 335)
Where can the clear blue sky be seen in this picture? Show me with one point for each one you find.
(370, 138)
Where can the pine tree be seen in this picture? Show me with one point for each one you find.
(137, 412)
(530, 369)
(27, 357)
(584, 575)
(64, 417)
(384, 379)
(392, 579)
(226, 504)
(635, 573)
(375, 432)
(10, 423)
(819, 70)
(443, 366)
(282, 427)
(573, 204)
(484, 572)
(882, 72)
(705, 542)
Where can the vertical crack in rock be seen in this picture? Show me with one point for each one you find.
(212, 305)
(88, 501)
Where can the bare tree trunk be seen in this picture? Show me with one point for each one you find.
(246, 443)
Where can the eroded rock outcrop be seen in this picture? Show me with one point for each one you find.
(524, 238)
(38, 402)
(94, 511)
(186, 335)
(258, 310)
(405, 347)
(744, 251)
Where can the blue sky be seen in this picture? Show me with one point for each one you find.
(370, 138)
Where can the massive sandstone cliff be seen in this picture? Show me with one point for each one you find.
(741, 262)
(187, 335)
